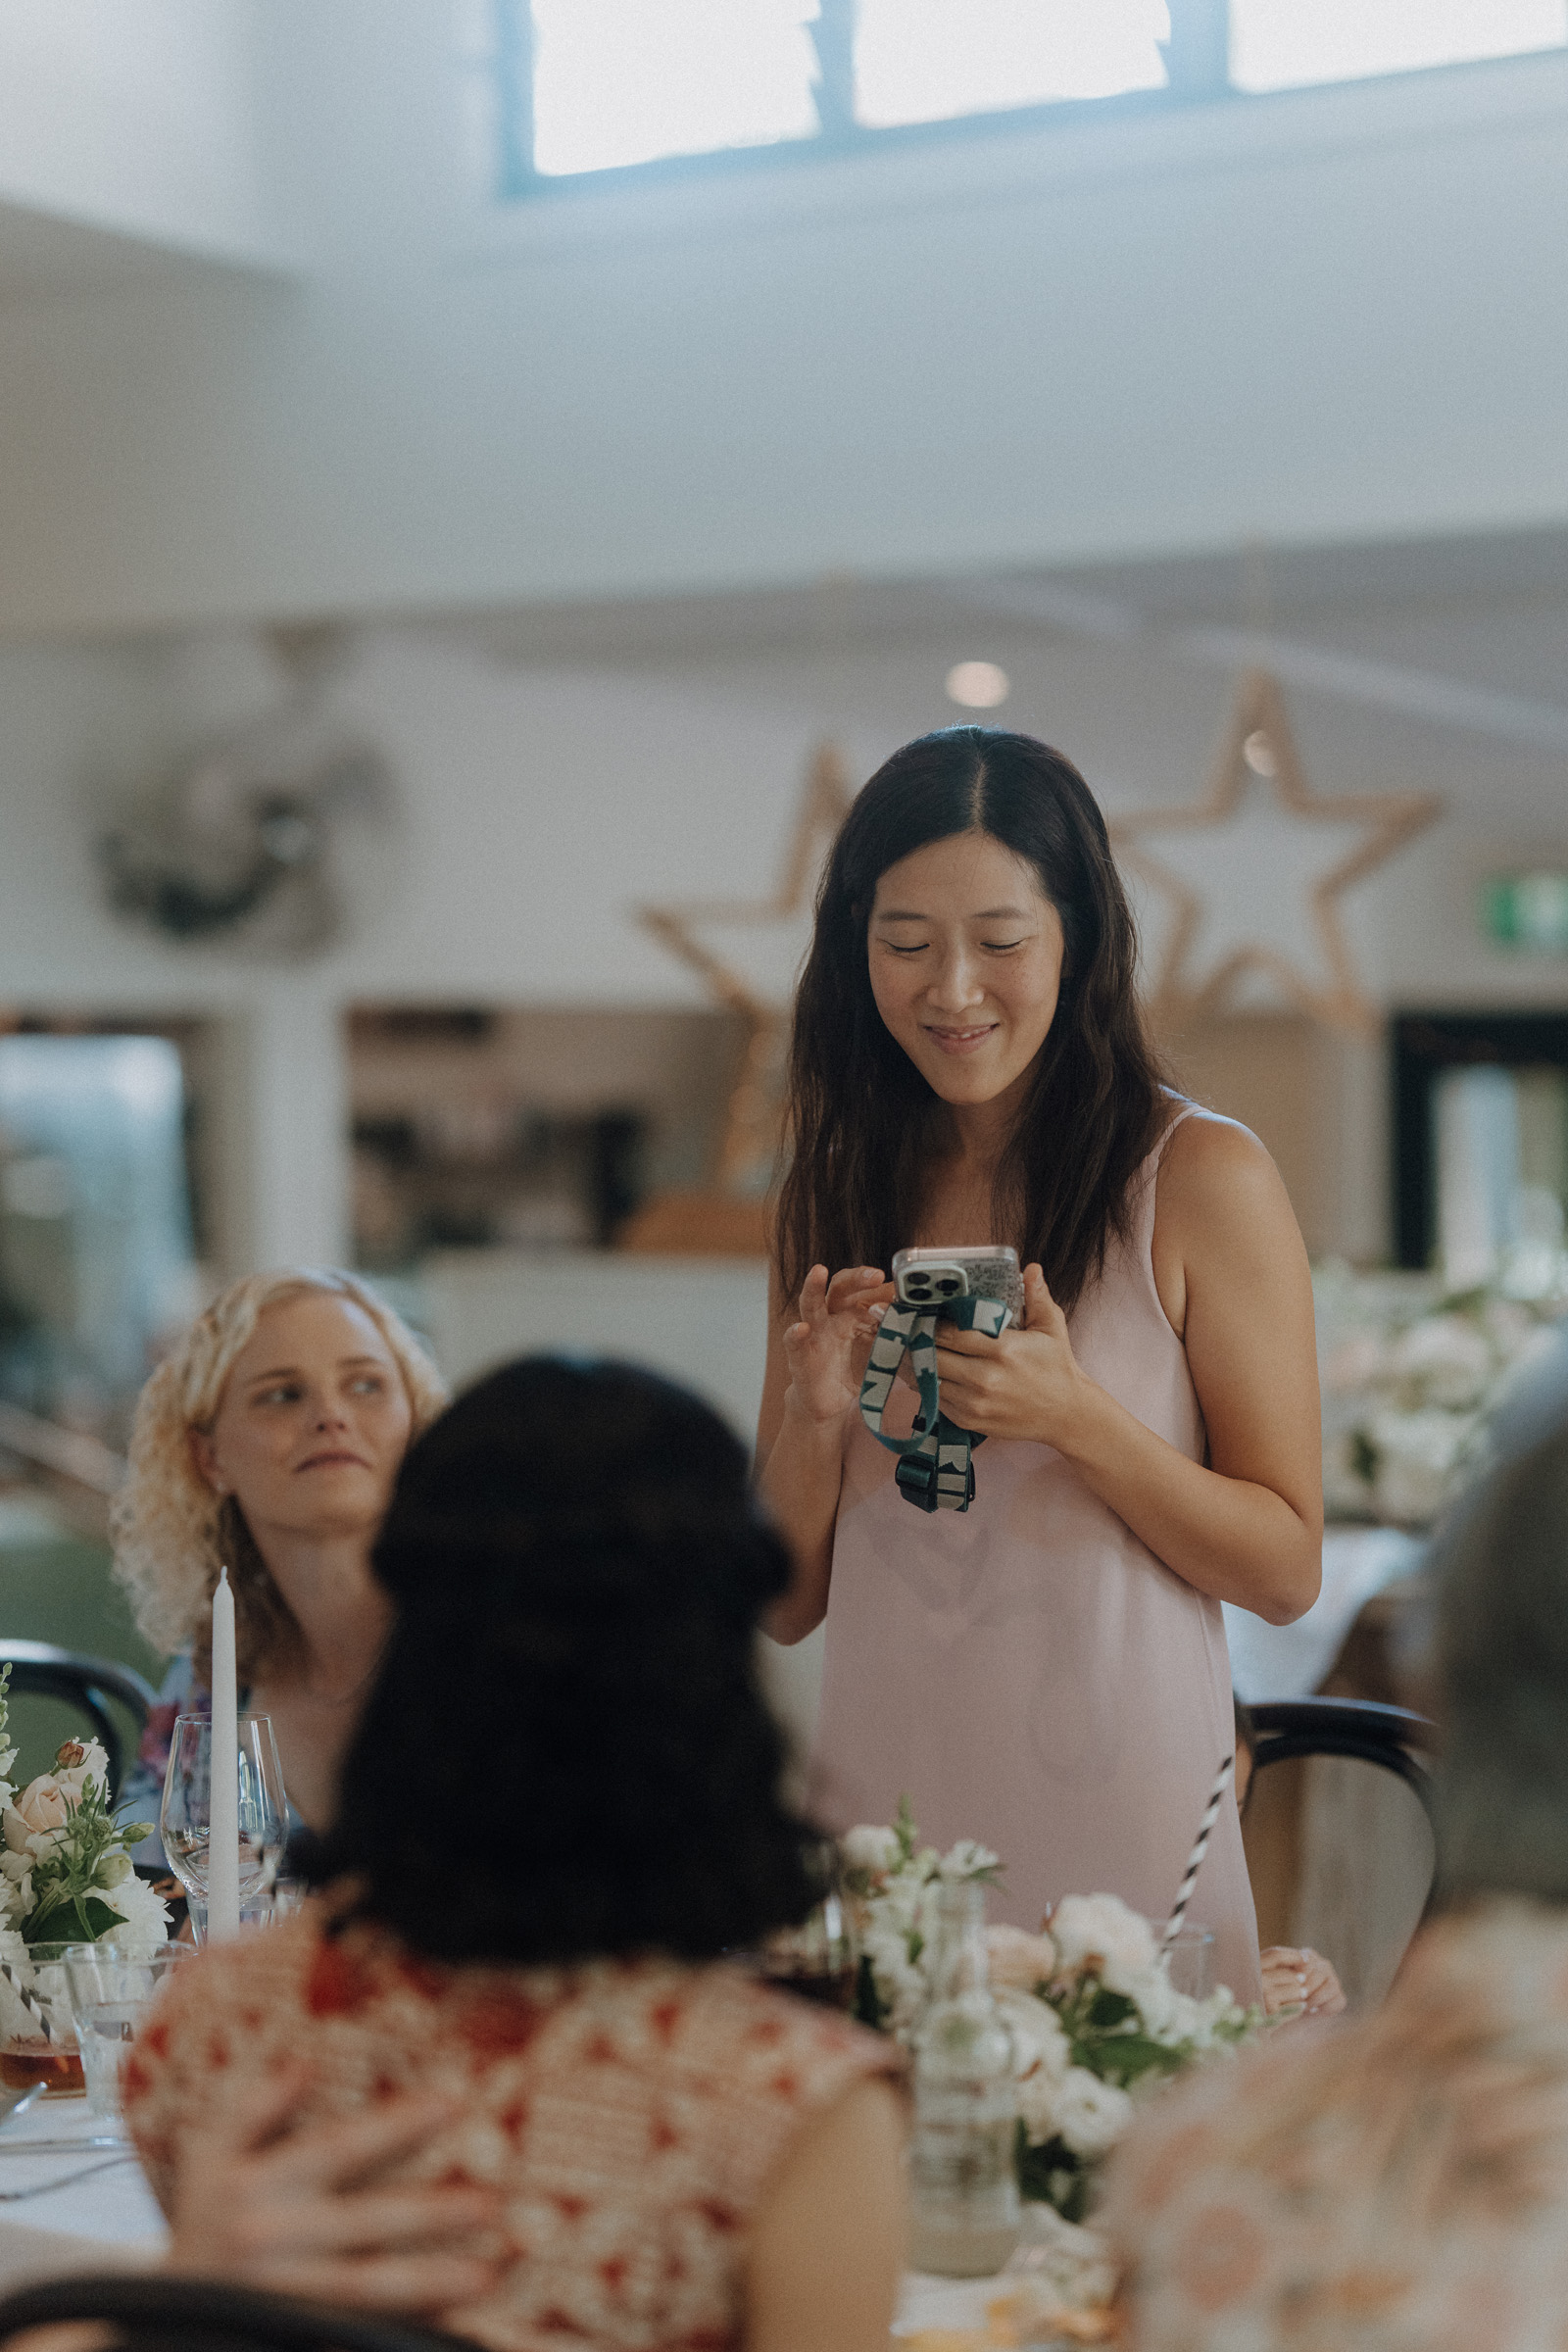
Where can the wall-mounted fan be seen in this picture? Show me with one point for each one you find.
(236, 848)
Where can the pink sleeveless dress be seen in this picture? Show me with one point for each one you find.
(1028, 1672)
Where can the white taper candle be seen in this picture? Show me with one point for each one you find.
(1194, 1860)
(222, 1849)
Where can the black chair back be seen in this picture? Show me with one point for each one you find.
(89, 1685)
(1390, 1736)
(1338, 1860)
(197, 2315)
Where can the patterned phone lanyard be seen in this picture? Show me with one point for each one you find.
(934, 1472)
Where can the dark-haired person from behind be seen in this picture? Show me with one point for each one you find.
(1045, 1672)
(562, 1808)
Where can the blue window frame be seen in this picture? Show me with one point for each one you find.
(598, 92)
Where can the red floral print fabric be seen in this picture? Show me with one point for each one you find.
(631, 2111)
(1397, 2183)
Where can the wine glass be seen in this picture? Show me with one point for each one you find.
(185, 1820)
(818, 1958)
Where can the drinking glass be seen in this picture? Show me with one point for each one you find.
(818, 1958)
(1190, 1962)
(185, 1820)
(110, 1992)
(28, 2055)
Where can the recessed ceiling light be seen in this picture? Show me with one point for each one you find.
(977, 685)
(1259, 753)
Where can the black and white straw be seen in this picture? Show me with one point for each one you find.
(29, 1998)
(1194, 1860)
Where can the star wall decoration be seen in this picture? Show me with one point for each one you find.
(749, 953)
(1290, 863)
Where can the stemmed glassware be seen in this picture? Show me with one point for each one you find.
(819, 1958)
(185, 1820)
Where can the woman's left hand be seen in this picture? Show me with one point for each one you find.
(1026, 1384)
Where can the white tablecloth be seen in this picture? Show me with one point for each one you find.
(109, 2222)
(1289, 1661)
(112, 2220)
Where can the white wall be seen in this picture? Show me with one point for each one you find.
(138, 115)
(1332, 314)
(541, 808)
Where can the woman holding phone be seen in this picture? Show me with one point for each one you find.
(1047, 1671)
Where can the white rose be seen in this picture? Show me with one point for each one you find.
(966, 1860)
(1040, 2046)
(1101, 1932)
(1018, 1958)
(144, 1913)
(871, 1848)
(1091, 2115)
(1037, 2095)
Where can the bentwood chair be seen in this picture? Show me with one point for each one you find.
(1391, 1738)
(40, 1669)
(196, 2315)
(1339, 1832)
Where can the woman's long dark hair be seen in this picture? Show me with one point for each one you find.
(864, 1124)
(567, 1754)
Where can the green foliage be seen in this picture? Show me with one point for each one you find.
(65, 1896)
(870, 2009)
(1052, 2175)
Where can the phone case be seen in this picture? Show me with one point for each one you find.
(930, 1277)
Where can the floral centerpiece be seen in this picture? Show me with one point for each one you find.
(1095, 2020)
(1412, 1374)
(66, 1872)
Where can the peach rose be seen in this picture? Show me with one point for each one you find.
(1019, 1959)
(42, 1807)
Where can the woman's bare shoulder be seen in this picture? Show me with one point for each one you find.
(1218, 1191)
(1209, 1156)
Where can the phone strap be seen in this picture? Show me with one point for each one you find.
(935, 1472)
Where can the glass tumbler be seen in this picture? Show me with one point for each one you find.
(110, 1992)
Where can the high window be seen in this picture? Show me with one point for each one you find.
(565, 88)
(1280, 45)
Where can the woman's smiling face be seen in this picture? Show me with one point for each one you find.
(965, 955)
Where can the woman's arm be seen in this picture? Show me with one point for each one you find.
(1232, 1279)
(815, 1357)
(827, 2247)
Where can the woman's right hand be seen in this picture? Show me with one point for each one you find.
(321, 2213)
(827, 1346)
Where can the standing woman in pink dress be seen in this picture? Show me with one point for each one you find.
(1048, 1671)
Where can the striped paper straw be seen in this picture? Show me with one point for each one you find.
(1194, 1860)
(28, 2000)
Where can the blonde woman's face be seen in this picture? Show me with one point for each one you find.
(313, 1424)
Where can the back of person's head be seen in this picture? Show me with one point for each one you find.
(1502, 1664)
(566, 1751)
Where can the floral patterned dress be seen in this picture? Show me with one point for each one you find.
(1395, 2185)
(632, 2111)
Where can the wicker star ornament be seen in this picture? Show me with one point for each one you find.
(748, 952)
(1358, 832)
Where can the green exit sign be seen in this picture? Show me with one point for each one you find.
(1527, 910)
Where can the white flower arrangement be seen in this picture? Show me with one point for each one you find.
(1411, 1375)
(66, 1872)
(1095, 2020)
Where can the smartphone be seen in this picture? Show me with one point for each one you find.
(931, 1277)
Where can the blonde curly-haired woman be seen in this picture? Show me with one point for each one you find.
(268, 1440)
